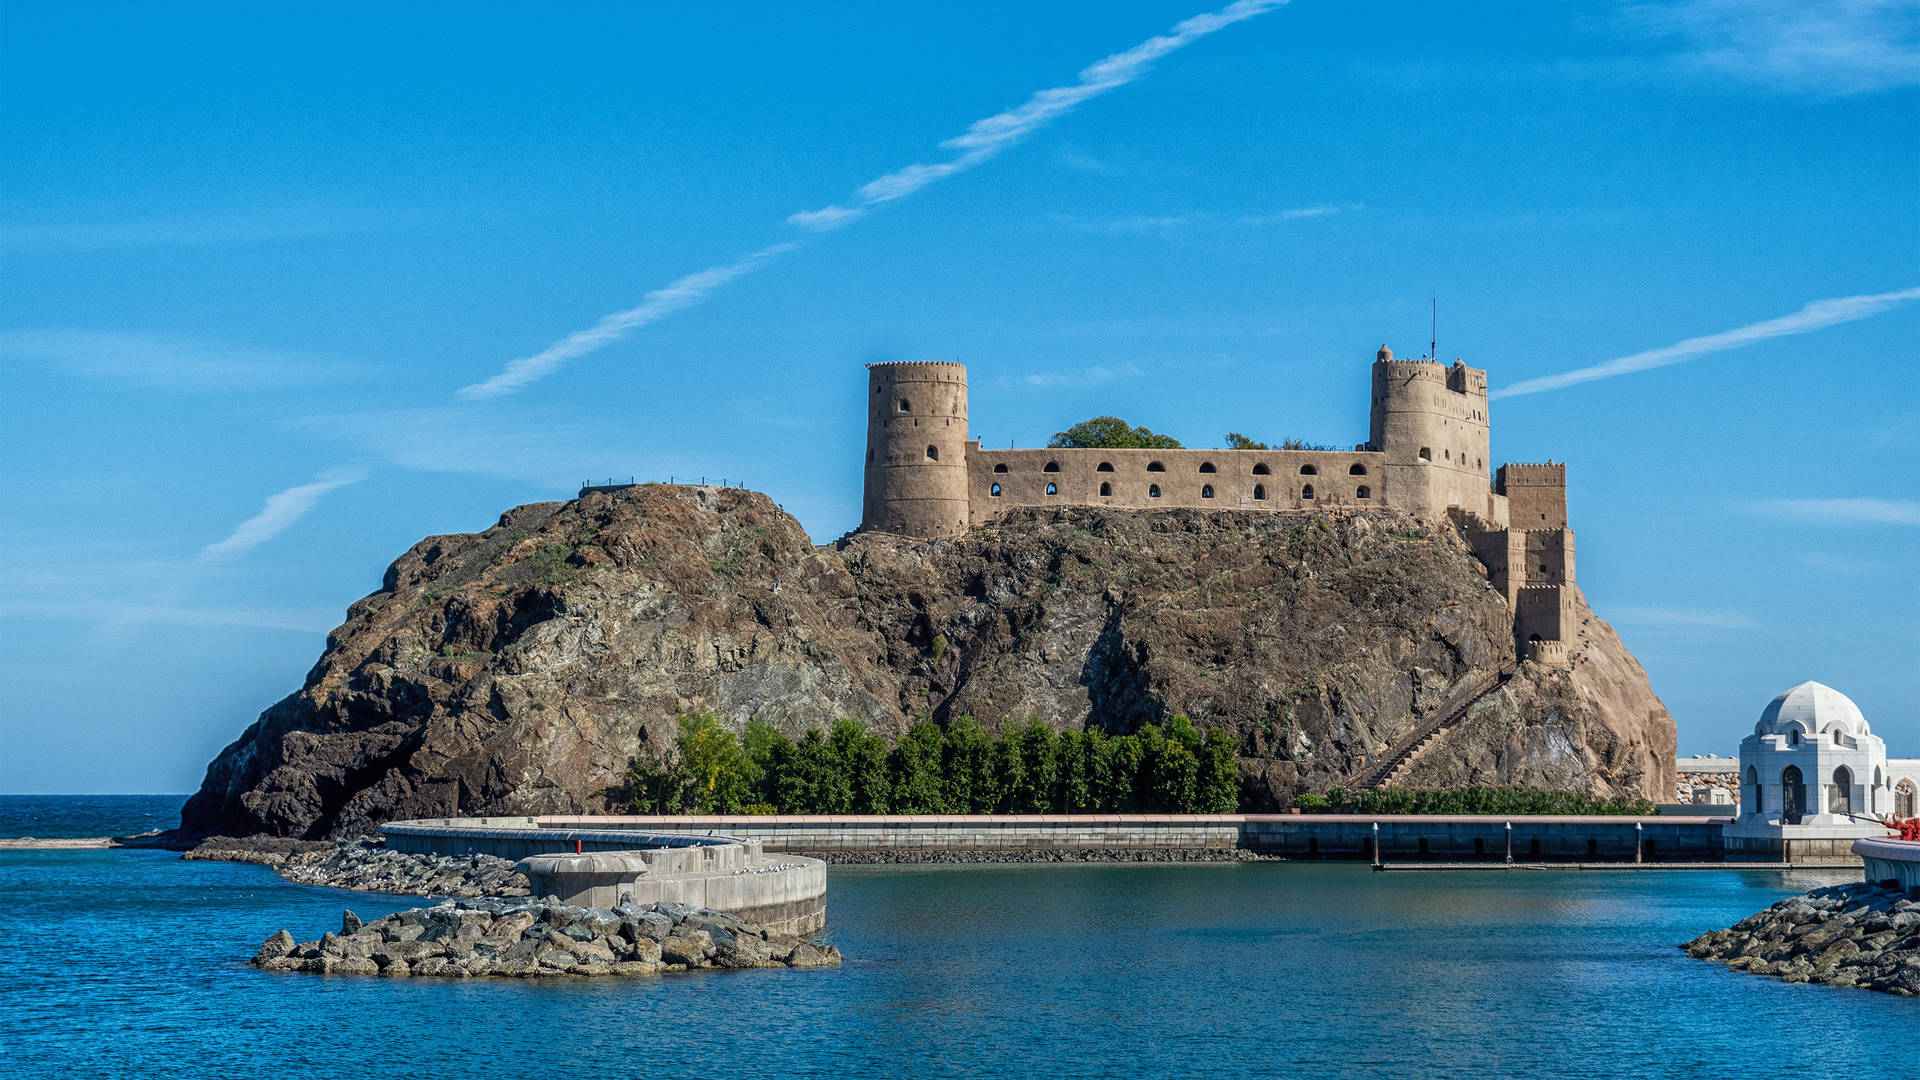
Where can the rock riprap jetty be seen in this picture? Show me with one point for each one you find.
(1864, 935)
(366, 866)
(542, 939)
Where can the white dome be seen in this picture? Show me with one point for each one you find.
(1813, 707)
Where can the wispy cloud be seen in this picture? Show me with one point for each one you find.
(1092, 375)
(1848, 565)
(280, 512)
(1832, 47)
(166, 361)
(1842, 511)
(1702, 618)
(987, 137)
(978, 144)
(653, 307)
(1815, 316)
(1081, 161)
(1162, 223)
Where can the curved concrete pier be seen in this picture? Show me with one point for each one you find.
(1890, 860)
(606, 867)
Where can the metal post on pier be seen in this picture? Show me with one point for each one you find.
(1376, 845)
(1509, 843)
(1639, 841)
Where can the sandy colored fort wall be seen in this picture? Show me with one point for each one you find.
(1536, 494)
(1431, 422)
(1203, 479)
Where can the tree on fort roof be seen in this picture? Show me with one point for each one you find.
(1237, 441)
(1110, 433)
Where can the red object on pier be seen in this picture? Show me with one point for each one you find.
(1906, 830)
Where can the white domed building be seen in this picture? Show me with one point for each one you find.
(1814, 778)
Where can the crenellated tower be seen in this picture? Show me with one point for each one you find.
(1431, 423)
(916, 478)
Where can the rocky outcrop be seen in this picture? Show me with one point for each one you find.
(518, 670)
(1845, 935)
(541, 939)
(362, 866)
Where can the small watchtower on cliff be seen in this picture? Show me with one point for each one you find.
(1431, 423)
(916, 479)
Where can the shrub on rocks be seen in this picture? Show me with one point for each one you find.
(542, 938)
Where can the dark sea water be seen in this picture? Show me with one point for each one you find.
(132, 963)
(67, 816)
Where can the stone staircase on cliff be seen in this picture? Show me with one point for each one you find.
(1395, 762)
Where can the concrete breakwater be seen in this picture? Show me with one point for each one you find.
(1180, 837)
(541, 939)
(1863, 934)
(603, 867)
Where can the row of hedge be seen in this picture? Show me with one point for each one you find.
(1029, 769)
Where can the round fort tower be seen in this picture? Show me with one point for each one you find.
(916, 480)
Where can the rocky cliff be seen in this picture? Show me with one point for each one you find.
(517, 670)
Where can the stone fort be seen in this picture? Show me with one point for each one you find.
(1426, 454)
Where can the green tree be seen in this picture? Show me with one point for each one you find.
(1033, 790)
(1237, 441)
(1219, 773)
(768, 751)
(918, 765)
(859, 762)
(969, 768)
(1073, 759)
(1176, 778)
(1111, 432)
(1116, 771)
(711, 765)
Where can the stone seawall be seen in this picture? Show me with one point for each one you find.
(1022, 838)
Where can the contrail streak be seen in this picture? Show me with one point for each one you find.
(982, 140)
(1815, 316)
(280, 512)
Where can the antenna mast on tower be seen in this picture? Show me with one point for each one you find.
(1434, 344)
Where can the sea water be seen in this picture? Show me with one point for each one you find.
(133, 963)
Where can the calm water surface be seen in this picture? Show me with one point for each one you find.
(132, 963)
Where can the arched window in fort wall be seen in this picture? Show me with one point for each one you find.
(1206, 466)
(1105, 466)
(1306, 491)
(1052, 466)
(1000, 468)
(1206, 491)
(1153, 491)
(1106, 489)
(994, 491)
(1261, 469)
(1426, 454)
(933, 453)
(1154, 466)
(1309, 470)
(1356, 469)
(1053, 489)
(1259, 492)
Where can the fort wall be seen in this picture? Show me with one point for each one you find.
(1163, 479)
(1429, 441)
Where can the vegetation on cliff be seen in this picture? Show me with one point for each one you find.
(1028, 769)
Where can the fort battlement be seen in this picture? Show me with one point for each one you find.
(1427, 454)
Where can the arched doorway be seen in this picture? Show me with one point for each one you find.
(1840, 795)
(1756, 804)
(1793, 795)
(1903, 799)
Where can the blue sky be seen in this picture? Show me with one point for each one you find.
(286, 290)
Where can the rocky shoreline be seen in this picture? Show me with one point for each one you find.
(542, 939)
(368, 867)
(1860, 935)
